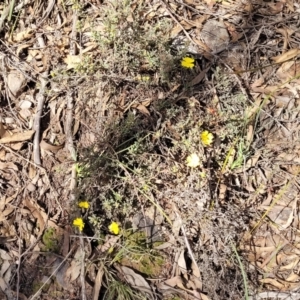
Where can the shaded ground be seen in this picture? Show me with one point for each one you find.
(182, 178)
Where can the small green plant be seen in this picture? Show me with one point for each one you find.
(240, 155)
(121, 291)
(131, 45)
(82, 170)
(86, 66)
(242, 270)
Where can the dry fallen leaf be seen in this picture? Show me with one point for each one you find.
(288, 69)
(17, 137)
(215, 35)
(38, 59)
(286, 55)
(172, 282)
(141, 108)
(98, 283)
(181, 263)
(74, 270)
(175, 31)
(46, 146)
(199, 77)
(8, 165)
(72, 61)
(273, 282)
(41, 216)
(5, 269)
(135, 280)
(6, 212)
(2, 130)
(23, 35)
(196, 278)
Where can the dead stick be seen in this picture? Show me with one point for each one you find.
(40, 105)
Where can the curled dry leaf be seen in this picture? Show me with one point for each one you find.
(46, 146)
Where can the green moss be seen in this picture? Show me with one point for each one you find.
(37, 285)
(139, 255)
(50, 240)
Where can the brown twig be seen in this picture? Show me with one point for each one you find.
(40, 105)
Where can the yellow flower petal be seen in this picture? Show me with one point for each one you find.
(110, 250)
(188, 62)
(83, 204)
(114, 228)
(206, 138)
(78, 222)
(193, 160)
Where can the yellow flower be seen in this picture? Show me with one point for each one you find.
(193, 160)
(206, 138)
(143, 78)
(78, 222)
(114, 228)
(188, 62)
(202, 174)
(83, 204)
